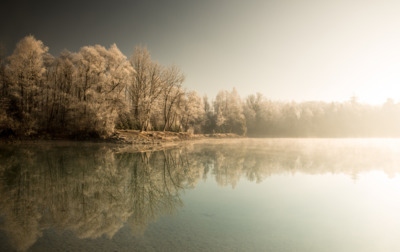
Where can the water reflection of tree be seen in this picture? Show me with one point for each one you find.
(258, 159)
(156, 180)
(92, 191)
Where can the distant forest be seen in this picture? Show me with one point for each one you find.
(92, 92)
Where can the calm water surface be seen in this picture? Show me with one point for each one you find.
(232, 195)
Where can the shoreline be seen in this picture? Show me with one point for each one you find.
(127, 137)
(160, 137)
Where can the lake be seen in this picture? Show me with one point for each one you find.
(215, 195)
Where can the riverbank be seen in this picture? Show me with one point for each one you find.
(134, 137)
(160, 137)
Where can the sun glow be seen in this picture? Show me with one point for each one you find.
(377, 82)
(379, 94)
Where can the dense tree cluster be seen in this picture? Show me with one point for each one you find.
(91, 92)
(96, 90)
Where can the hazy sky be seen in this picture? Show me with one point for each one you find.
(286, 49)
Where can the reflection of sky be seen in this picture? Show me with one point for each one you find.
(301, 212)
(282, 194)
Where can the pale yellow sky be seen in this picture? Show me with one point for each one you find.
(301, 50)
(286, 49)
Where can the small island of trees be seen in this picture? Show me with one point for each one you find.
(92, 92)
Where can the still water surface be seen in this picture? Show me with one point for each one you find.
(231, 195)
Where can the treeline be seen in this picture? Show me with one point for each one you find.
(321, 119)
(96, 90)
(260, 117)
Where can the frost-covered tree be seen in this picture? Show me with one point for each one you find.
(209, 120)
(103, 76)
(254, 110)
(229, 112)
(146, 87)
(171, 95)
(26, 72)
(119, 73)
(62, 92)
(193, 112)
(85, 93)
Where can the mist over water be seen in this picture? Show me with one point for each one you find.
(239, 194)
